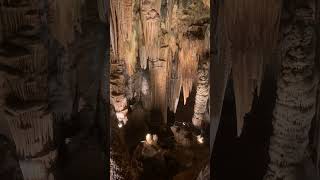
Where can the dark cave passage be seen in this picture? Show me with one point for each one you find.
(247, 156)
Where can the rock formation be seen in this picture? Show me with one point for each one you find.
(296, 92)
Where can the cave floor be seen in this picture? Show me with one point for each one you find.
(169, 159)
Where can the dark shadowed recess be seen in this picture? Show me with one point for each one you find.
(245, 157)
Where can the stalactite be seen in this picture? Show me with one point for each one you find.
(202, 94)
(66, 19)
(174, 86)
(29, 88)
(246, 76)
(252, 29)
(204, 173)
(30, 55)
(31, 129)
(33, 170)
(12, 18)
(189, 41)
(296, 93)
(150, 22)
(123, 33)
(188, 63)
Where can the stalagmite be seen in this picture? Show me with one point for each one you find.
(202, 95)
(119, 157)
(117, 90)
(296, 93)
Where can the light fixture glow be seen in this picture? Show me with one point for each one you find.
(149, 138)
(200, 139)
(120, 124)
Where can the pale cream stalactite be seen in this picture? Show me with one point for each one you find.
(31, 129)
(150, 22)
(296, 94)
(193, 41)
(246, 76)
(188, 64)
(123, 54)
(123, 33)
(175, 84)
(152, 55)
(252, 29)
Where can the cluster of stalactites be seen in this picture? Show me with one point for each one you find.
(12, 18)
(64, 19)
(191, 48)
(123, 33)
(252, 29)
(163, 44)
(188, 63)
(150, 22)
(247, 77)
(31, 130)
(37, 168)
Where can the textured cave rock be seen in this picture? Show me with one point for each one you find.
(51, 70)
(296, 92)
(26, 101)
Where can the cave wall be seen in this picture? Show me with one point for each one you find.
(52, 55)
